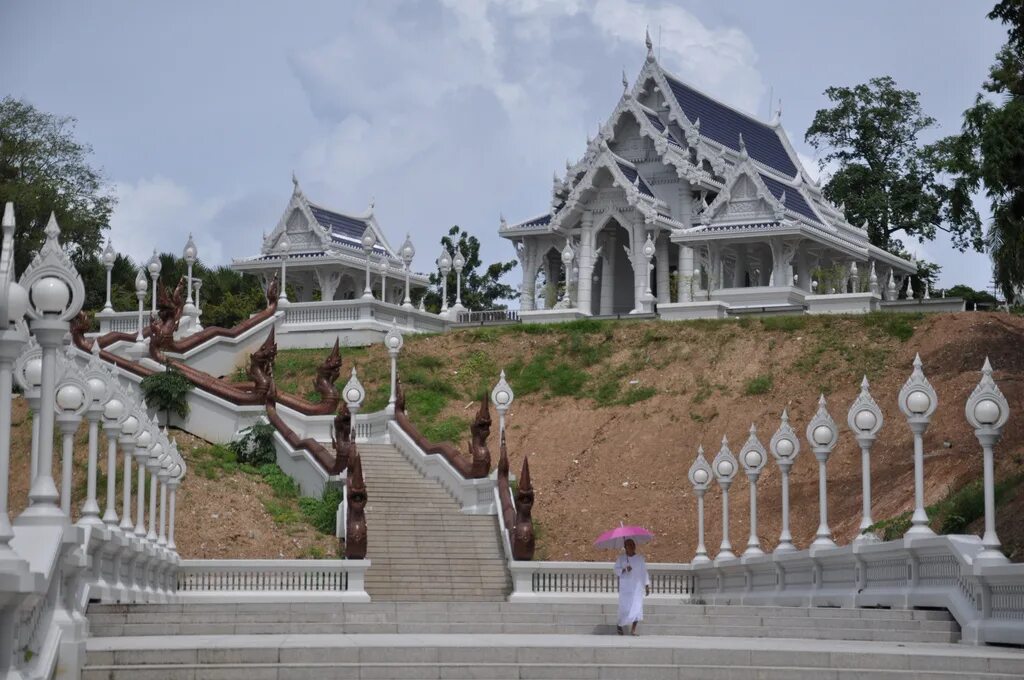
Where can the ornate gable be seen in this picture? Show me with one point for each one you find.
(745, 199)
(298, 221)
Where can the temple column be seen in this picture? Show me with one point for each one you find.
(584, 283)
(661, 268)
(803, 270)
(636, 258)
(686, 275)
(608, 253)
(714, 266)
(528, 262)
(782, 257)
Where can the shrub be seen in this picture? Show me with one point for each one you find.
(256, 445)
(167, 391)
(322, 512)
(761, 384)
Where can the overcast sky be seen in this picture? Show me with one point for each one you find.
(443, 113)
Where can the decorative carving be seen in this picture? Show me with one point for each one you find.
(355, 496)
(162, 326)
(326, 375)
(273, 292)
(261, 367)
(341, 437)
(523, 540)
(481, 430)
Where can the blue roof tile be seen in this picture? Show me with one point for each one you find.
(659, 126)
(724, 125)
(343, 228)
(794, 199)
(631, 174)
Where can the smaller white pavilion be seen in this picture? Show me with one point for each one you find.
(327, 255)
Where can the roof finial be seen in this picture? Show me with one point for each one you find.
(650, 44)
(625, 83)
(743, 147)
(373, 202)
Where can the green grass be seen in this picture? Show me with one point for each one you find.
(761, 384)
(637, 394)
(450, 429)
(788, 323)
(566, 380)
(899, 326)
(322, 512)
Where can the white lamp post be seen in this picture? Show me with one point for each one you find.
(113, 422)
(153, 465)
(408, 252)
(100, 390)
(354, 394)
(154, 268)
(13, 305)
(142, 457)
(132, 440)
(71, 403)
(56, 293)
(143, 440)
(368, 241)
(189, 254)
(648, 251)
(700, 478)
(382, 268)
(141, 286)
(785, 447)
(724, 467)
(753, 457)
(822, 435)
(567, 258)
(283, 246)
(458, 262)
(918, 402)
(393, 341)
(865, 420)
(987, 410)
(198, 283)
(108, 257)
(444, 263)
(502, 397)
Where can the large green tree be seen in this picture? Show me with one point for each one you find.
(989, 152)
(44, 169)
(481, 288)
(884, 174)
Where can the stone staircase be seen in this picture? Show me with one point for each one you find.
(421, 546)
(505, 640)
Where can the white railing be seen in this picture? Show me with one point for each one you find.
(372, 427)
(358, 314)
(488, 316)
(272, 580)
(322, 312)
(120, 322)
(583, 581)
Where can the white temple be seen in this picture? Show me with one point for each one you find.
(325, 255)
(714, 201)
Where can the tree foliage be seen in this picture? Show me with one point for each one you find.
(885, 176)
(43, 169)
(989, 151)
(480, 289)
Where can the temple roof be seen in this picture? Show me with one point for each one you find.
(724, 124)
(794, 199)
(345, 229)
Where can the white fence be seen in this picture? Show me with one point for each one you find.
(272, 580)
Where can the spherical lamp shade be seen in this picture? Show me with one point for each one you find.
(130, 425)
(113, 409)
(865, 420)
(368, 239)
(822, 435)
(700, 476)
(154, 265)
(190, 253)
(987, 411)
(97, 388)
(50, 295)
(918, 402)
(458, 261)
(445, 260)
(109, 256)
(752, 459)
(70, 398)
(144, 439)
(34, 372)
(17, 302)
(141, 284)
(785, 447)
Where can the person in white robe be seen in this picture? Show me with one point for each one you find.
(634, 583)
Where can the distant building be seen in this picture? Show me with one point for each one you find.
(714, 200)
(324, 255)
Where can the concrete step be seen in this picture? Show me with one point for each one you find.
(286, 655)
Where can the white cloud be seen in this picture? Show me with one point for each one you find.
(158, 213)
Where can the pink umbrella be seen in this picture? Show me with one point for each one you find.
(616, 537)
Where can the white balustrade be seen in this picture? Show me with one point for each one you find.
(272, 580)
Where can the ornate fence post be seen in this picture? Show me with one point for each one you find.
(13, 305)
(700, 477)
(918, 402)
(113, 421)
(71, 403)
(822, 435)
(785, 447)
(100, 390)
(725, 468)
(393, 341)
(407, 252)
(502, 396)
(987, 410)
(130, 442)
(753, 457)
(865, 419)
(56, 293)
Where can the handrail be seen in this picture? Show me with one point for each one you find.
(272, 580)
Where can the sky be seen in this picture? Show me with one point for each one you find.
(438, 112)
